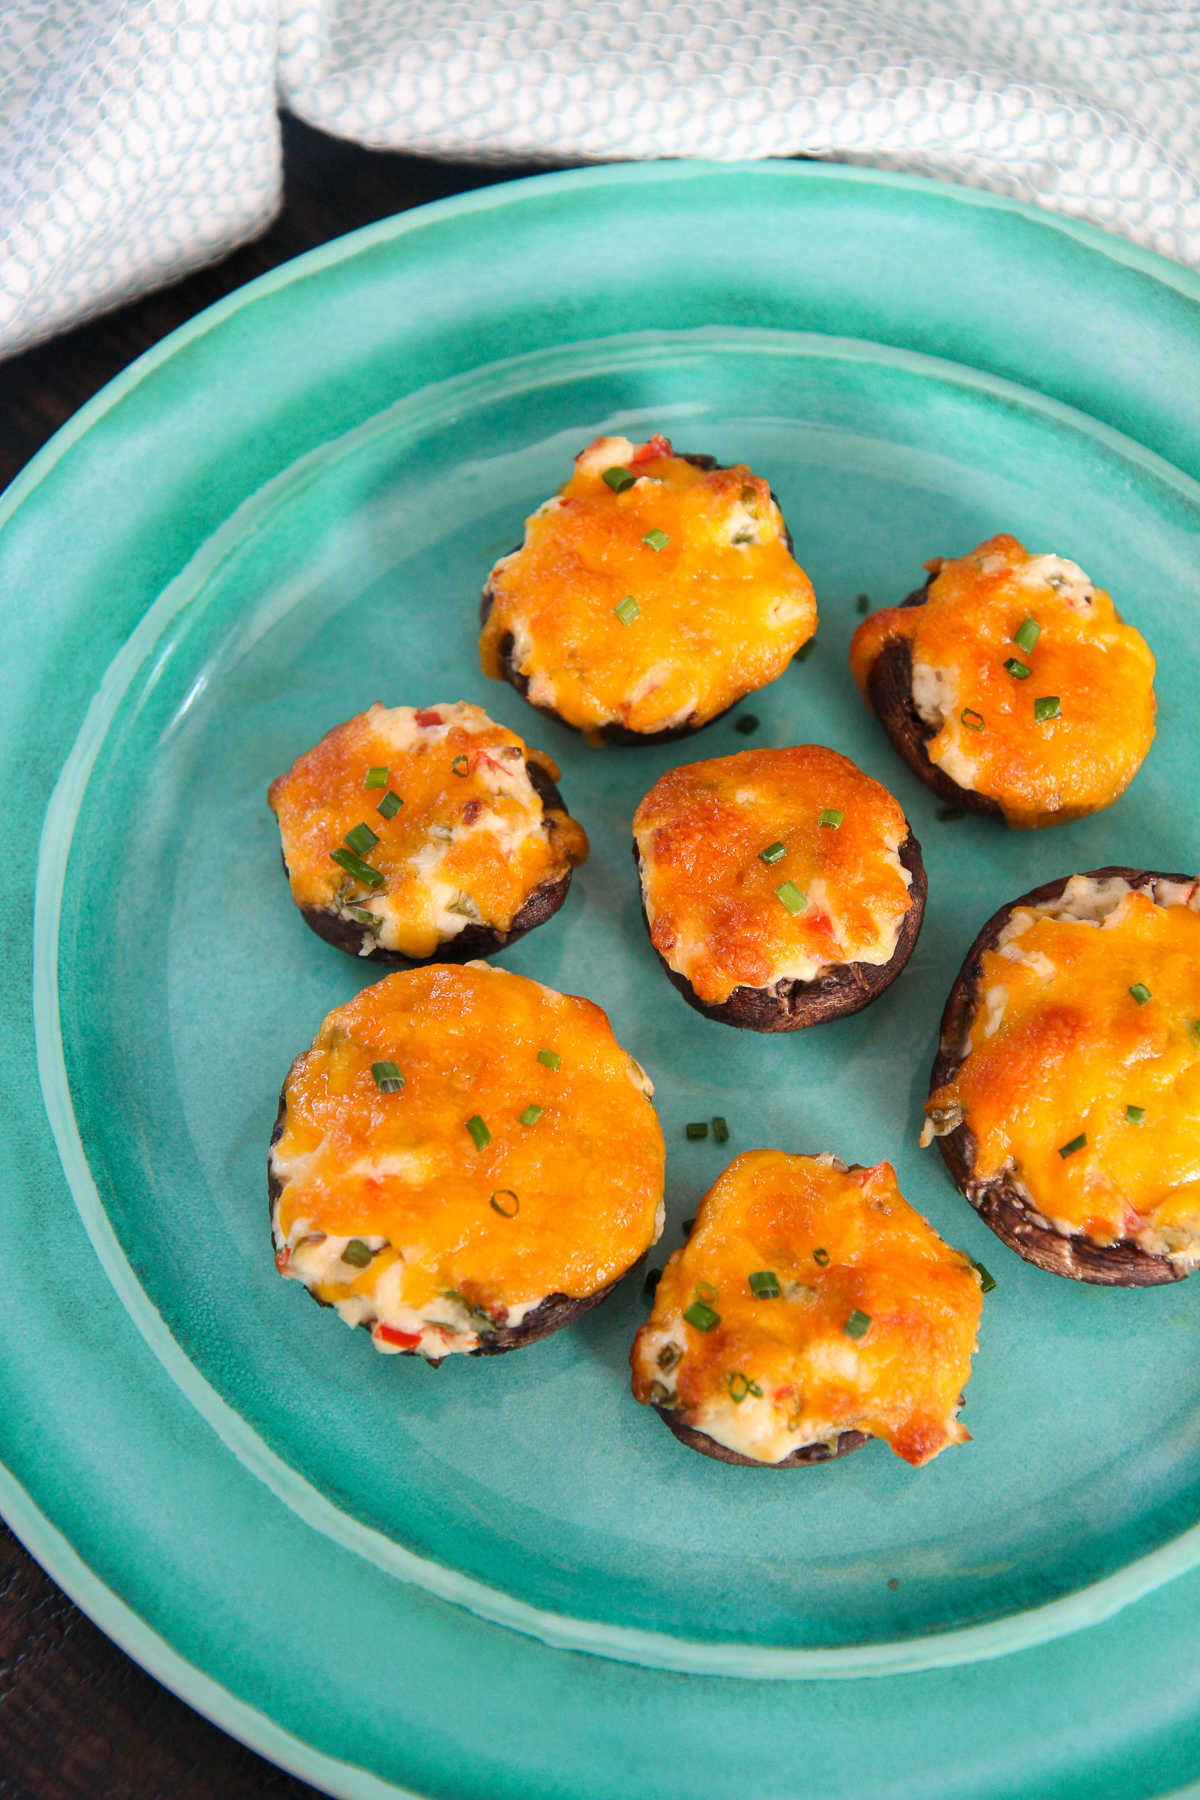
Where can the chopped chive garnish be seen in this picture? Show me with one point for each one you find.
(461, 766)
(363, 916)
(388, 1078)
(863, 602)
(390, 805)
(1019, 670)
(858, 1324)
(1027, 634)
(739, 1386)
(549, 1059)
(1135, 1114)
(971, 719)
(764, 1284)
(986, 1282)
(706, 1293)
(1046, 707)
(1194, 1031)
(831, 817)
(747, 723)
(1075, 1144)
(656, 539)
(354, 865)
(618, 478)
(361, 839)
(789, 895)
(1140, 992)
(772, 853)
(479, 1131)
(627, 610)
(697, 1129)
(653, 1277)
(357, 1254)
(820, 1257)
(702, 1317)
(805, 650)
(531, 1115)
(506, 1203)
(670, 1354)
(720, 1129)
(376, 777)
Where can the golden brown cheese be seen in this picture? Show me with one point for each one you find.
(872, 1328)
(653, 607)
(1093, 675)
(1082, 1075)
(521, 1157)
(717, 840)
(469, 843)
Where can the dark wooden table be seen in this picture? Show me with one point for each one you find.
(78, 1719)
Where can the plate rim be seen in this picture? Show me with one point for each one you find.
(734, 1658)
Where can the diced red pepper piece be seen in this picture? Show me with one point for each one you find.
(427, 716)
(406, 1340)
(282, 1259)
(657, 446)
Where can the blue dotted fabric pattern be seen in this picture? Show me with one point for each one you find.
(1092, 109)
(141, 139)
(138, 140)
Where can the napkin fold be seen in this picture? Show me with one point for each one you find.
(140, 138)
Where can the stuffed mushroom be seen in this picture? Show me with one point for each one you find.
(1066, 1091)
(649, 595)
(463, 1162)
(780, 888)
(810, 1310)
(1010, 685)
(410, 833)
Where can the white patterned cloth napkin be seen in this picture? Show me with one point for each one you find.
(139, 137)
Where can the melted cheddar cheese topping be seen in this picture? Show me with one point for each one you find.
(1087, 1008)
(654, 607)
(712, 898)
(872, 1328)
(469, 843)
(984, 716)
(521, 1158)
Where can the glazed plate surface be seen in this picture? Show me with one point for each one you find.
(286, 513)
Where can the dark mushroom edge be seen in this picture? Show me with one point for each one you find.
(794, 1005)
(613, 733)
(549, 1315)
(889, 688)
(473, 941)
(1001, 1202)
(807, 1453)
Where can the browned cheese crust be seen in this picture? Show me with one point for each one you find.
(998, 1201)
(794, 1005)
(474, 941)
(612, 734)
(550, 1315)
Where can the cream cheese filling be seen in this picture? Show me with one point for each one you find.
(434, 906)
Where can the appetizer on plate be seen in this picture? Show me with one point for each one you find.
(418, 832)
(810, 1309)
(1010, 685)
(651, 593)
(780, 888)
(1066, 1091)
(464, 1161)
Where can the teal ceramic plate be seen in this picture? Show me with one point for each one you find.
(286, 512)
